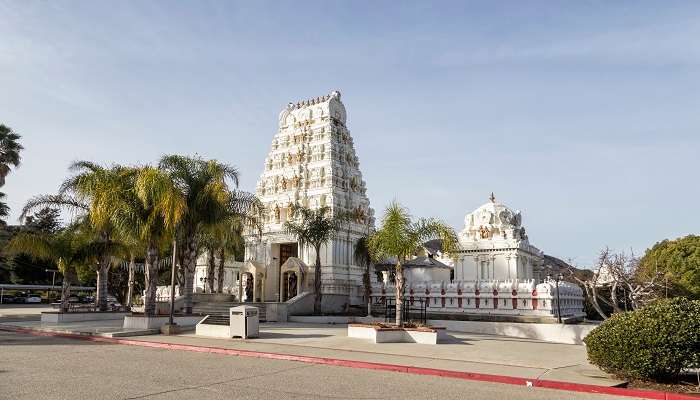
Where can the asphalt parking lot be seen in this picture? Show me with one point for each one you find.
(36, 367)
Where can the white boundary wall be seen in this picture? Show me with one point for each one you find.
(555, 333)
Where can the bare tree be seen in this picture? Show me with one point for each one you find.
(615, 272)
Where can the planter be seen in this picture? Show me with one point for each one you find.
(212, 330)
(145, 322)
(57, 317)
(428, 335)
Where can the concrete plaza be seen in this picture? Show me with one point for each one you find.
(58, 368)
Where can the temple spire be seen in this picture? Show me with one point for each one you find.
(492, 198)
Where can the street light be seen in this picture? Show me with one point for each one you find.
(557, 279)
(171, 327)
(204, 279)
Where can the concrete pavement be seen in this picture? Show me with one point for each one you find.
(486, 354)
(47, 367)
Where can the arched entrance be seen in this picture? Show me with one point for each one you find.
(290, 287)
(251, 286)
(248, 287)
(293, 278)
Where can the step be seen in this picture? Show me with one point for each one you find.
(222, 309)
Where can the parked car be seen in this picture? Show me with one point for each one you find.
(8, 299)
(73, 299)
(33, 298)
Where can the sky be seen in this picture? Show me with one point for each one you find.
(582, 115)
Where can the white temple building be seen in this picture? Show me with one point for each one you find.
(311, 162)
(495, 275)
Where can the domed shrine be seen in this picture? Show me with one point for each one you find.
(495, 246)
(496, 275)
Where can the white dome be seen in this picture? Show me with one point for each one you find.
(493, 221)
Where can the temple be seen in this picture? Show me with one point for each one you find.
(496, 275)
(497, 272)
(312, 163)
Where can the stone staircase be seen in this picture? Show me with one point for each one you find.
(219, 311)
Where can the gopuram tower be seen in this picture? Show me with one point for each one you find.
(311, 163)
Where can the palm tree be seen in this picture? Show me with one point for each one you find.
(65, 248)
(145, 208)
(314, 228)
(9, 151)
(204, 186)
(218, 240)
(363, 258)
(4, 209)
(83, 193)
(399, 237)
(231, 243)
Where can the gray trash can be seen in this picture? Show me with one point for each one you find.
(244, 321)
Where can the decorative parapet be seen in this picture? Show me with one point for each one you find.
(490, 297)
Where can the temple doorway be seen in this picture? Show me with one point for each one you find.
(290, 287)
(248, 282)
(286, 250)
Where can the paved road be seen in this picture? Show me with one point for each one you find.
(33, 367)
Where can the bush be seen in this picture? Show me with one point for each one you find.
(656, 342)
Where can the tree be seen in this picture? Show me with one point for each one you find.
(146, 207)
(9, 151)
(313, 227)
(399, 237)
(616, 284)
(46, 220)
(678, 261)
(21, 268)
(363, 258)
(208, 199)
(220, 241)
(124, 280)
(65, 248)
(82, 193)
(4, 208)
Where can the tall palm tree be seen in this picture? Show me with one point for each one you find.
(228, 241)
(399, 237)
(232, 244)
(83, 193)
(314, 227)
(208, 199)
(363, 259)
(65, 248)
(146, 207)
(9, 151)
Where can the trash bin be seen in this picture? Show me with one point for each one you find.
(244, 321)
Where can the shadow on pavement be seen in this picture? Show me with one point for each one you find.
(25, 339)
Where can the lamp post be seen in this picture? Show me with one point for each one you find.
(172, 289)
(557, 279)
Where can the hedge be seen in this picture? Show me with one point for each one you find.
(656, 342)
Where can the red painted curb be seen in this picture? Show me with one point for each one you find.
(472, 376)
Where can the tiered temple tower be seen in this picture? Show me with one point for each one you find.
(312, 163)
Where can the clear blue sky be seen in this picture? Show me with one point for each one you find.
(583, 115)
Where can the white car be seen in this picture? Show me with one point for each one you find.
(33, 299)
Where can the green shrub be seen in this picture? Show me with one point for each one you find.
(655, 342)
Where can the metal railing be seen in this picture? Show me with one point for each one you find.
(415, 311)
